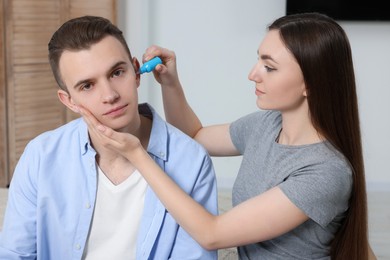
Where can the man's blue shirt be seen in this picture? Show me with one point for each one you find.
(53, 191)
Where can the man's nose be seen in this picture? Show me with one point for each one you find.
(109, 95)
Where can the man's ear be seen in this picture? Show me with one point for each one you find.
(136, 69)
(67, 100)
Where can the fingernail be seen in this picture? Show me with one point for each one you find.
(101, 128)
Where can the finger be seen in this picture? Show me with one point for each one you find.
(91, 119)
(151, 52)
(104, 134)
(165, 54)
(96, 129)
(160, 69)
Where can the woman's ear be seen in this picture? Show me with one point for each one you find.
(67, 100)
(305, 91)
(136, 69)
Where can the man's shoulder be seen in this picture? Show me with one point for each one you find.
(60, 134)
(180, 138)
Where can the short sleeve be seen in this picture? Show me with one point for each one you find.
(321, 191)
(242, 129)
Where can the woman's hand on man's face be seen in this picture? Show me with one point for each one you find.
(123, 143)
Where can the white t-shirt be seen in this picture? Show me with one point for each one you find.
(117, 214)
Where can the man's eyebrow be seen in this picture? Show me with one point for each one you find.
(116, 65)
(119, 63)
(80, 82)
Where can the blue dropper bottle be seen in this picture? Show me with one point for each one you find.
(150, 65)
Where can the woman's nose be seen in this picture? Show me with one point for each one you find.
(254, 74)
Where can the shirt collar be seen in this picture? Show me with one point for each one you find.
(85, 143)
(158, 141)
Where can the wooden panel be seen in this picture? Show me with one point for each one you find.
(33, 107)
(102, 8)
(3, 120)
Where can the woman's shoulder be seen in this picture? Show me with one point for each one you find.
(260, 117)
(260, 122)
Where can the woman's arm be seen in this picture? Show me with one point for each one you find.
(177, 110)
(257, 219)
(216, 139)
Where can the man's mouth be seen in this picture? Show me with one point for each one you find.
(116, 111)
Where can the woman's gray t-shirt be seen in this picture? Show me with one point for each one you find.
(315, 177)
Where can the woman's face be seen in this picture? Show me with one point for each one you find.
(278, 77)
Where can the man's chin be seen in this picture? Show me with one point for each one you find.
(121, 124)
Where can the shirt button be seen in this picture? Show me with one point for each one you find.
(162, 154)
(87, 205)
(78, 247)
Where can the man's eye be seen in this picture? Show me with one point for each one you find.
(85, 87)
(117, 73)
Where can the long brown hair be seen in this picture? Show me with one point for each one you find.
(79, 34)
(322, 50)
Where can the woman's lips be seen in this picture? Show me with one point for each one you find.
(259, 92)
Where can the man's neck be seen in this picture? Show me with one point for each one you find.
(145, 131)
(116, 167)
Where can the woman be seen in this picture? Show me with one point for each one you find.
(300, 191)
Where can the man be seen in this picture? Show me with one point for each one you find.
(72, 198)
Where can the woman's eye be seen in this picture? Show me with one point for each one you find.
(268, 69)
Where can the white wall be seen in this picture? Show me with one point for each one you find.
(216, 43)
